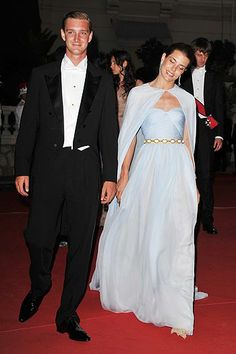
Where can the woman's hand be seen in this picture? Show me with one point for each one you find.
(121, 184)
(198, 196)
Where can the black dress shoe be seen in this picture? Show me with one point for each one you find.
(74, 330)
(210, 229)
(29, 306)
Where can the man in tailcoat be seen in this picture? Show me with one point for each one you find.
(69, 121)
(207, 88)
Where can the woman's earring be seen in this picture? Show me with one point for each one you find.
(179, 83)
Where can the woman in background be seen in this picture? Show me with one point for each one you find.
(123, 71)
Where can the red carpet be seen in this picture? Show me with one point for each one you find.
(215, 317)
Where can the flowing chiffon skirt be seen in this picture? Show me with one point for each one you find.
(145, 261)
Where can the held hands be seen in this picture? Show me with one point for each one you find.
(108, 192)
(22, 185)
(218, 144)
(110, 189)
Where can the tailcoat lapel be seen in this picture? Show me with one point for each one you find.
(190, 84)
(53, 82)
(188, 81)
(91, 84)
(207, 89)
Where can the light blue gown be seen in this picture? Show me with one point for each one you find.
(145, 261)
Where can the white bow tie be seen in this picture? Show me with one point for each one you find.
(200, 70)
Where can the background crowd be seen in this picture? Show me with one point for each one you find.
(220, 60)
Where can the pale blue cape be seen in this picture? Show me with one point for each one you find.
(139, 102)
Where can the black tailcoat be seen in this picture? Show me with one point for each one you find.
(65, 177)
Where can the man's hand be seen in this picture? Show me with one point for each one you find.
(108, 192)
(22, 185)
(218, 144)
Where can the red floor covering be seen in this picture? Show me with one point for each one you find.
(215, 317)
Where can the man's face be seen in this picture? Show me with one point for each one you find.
(201, 58)
(76, 36)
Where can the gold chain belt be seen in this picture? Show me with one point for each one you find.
(164, 141)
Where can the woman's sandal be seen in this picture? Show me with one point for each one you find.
(180, 332)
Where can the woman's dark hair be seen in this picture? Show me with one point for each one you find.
(76, 15)
(128, 72)
(184, 48)
(201, 44)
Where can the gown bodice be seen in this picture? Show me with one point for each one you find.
(164, 124)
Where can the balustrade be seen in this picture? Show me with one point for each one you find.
(8, 134)
(8, 127)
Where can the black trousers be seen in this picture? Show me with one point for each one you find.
(73, 182)
(204, 159)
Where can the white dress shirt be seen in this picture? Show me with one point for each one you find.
(73, 78)
(198, 77)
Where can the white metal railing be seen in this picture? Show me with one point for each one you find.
(8, 126)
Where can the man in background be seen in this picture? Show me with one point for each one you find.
(207, 88)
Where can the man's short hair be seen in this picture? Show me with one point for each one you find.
(78, 15)
(201, 44)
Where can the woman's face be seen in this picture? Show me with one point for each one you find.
(115, 68)
(173, 65)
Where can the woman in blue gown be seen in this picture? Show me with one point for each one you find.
(145, 261)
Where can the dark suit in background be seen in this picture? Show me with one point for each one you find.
(204, 151)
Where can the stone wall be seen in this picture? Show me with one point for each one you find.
(7, 160)
(124, 23)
